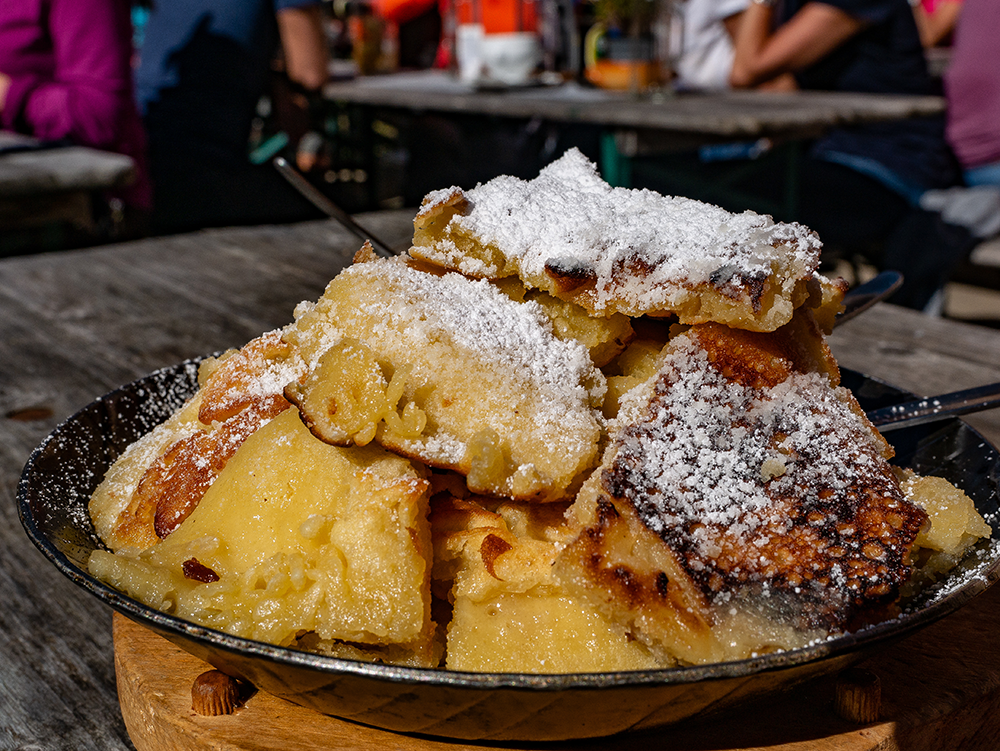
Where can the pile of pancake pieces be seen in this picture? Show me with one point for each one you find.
(575, 428)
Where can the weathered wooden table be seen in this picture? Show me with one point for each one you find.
(699, 116)
(655, 125)
(75, 325)
(42, 183)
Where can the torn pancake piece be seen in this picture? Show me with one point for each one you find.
(161, 478)
(619, 250)
(294, 537)
(452, 372)
(604, 338)
(761, 489)
(954, 525)
(120, 519)
(509, 613)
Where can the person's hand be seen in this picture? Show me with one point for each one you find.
(4, 88)
(307, 153)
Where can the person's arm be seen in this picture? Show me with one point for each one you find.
(762, 55)
(304, 46)
(732, 24)
(935, 27)
(86, 97)
(4, 86)
(784, 82)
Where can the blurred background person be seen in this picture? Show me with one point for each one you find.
(203, 67)
(706, 54)
(705, 61)
(972, 88)
(936, 20)
(861, 185)
(66, 75)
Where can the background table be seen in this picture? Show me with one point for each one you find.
(632, 127)
(75, 325)
(701, 116)
(41, 183)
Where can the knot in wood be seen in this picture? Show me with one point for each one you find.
(859, 696)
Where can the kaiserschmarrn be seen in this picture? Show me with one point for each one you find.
(576, 428)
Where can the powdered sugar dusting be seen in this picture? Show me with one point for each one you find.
(710, 440)
(273, 374)
(261, 369)
(568, 217)
(516, 337)
(783, 486)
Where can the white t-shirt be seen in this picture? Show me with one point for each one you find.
(706, 50)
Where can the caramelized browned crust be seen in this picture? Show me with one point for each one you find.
(236, 384)
(624, 569)
(752, 293)
(241, 392)
(174, 484)
(762, 480)
(762, 361)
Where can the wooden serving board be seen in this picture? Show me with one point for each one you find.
(940, 692)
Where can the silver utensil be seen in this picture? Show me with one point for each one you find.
(860, 298)
(933, 408)
(328, 207)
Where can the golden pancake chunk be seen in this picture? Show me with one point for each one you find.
(635, 365)
(115, 522)
(604, 338)
(177, 480)
(297, 536)
(954, 525)
(509, 614)
(155, 489)
(346, 398)
(453, 373)
(625, 571)
(258, 371)
(618, 250)
(761, 485)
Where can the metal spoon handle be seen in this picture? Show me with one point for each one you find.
(328, 207)
(933, 408)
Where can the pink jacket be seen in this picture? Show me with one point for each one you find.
(972, 85)
(70, 63)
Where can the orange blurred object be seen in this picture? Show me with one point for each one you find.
(498, 16)
(401, 11)
(624, 75)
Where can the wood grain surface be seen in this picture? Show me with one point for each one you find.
(731, 114)
(940, 692)
(75, 325)
(26, 171)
